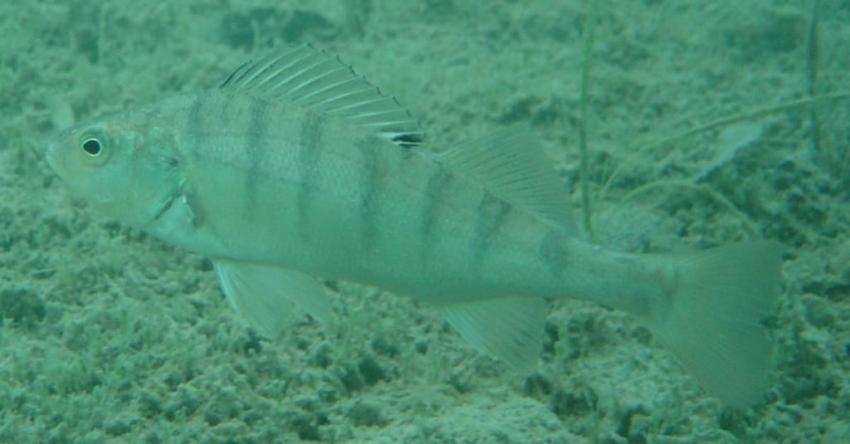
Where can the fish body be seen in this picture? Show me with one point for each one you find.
(309, 192)
(295, 168)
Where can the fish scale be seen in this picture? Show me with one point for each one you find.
(296, 168)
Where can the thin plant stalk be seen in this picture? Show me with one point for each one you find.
(584, 110)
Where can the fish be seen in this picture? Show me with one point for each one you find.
(296, 169)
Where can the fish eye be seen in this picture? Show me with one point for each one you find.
(92, 146)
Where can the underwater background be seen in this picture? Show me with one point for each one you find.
(707, 122)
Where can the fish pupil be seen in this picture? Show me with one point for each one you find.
(92, 146)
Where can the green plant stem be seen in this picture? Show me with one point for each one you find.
(755, 114)
(587, 59)
(812, 77)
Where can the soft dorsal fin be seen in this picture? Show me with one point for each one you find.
(511, 165)
(318, 81)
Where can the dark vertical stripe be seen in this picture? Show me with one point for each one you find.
(309, 151)
(370, 188)
(227, 107)
(406, 154)
(149, 115)
(432, 205)
(255, 150)
(492, 213)
(553, 251)
(194, 119)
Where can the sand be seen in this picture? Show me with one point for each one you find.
(109, 335)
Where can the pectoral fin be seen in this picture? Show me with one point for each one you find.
(510, 329)
(267, 296)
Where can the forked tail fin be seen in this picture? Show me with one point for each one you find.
(714, 323)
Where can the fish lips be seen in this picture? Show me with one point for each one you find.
(54, 159)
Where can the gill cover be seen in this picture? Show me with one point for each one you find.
(127, 174)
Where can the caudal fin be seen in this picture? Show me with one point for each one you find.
(714, 323)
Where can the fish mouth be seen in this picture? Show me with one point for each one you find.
(50, 156)
(54, 160)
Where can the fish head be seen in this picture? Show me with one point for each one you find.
(127, 172)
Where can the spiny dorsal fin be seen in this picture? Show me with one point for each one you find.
(318, 81)
(511, 165)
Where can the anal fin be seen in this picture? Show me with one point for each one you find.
(510, 328)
